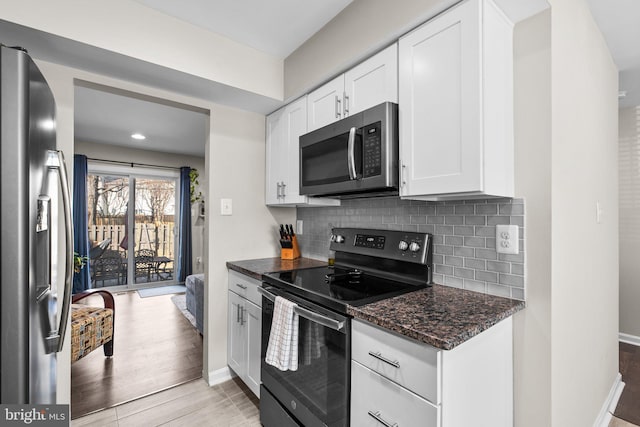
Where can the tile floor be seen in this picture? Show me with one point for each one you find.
(230, 404)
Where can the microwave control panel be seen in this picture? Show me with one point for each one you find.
(371, 150)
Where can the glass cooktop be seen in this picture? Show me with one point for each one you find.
(338, 287)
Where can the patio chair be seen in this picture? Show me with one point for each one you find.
(110, 266)
(145, 264)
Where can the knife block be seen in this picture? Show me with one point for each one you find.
(291, 253)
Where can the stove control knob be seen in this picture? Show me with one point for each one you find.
(333, 237)
(414, 247)
(339, 239)
(403, 246)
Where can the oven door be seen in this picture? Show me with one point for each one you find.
(317, 394)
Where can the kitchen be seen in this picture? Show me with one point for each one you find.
(547, 177)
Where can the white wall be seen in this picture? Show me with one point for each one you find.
(236, 163)
(584, 170)
(234, 160)
(124, 154)
(629, 161)
(132, 29)
(532, 326)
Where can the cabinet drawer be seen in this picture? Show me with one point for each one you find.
(245, 286)
(409, 363)
(373, 395)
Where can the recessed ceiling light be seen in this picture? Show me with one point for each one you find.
(138, 136)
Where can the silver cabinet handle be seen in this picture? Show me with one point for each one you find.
(351, 157)
(338, 112)
(238, 314)
(284, 188)
(379, 356)
(55, 161)
(376, 415)
(346, 104)
(241, 310)
(279, 193)
(241, 286)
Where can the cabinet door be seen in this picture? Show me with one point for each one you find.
(295, 124)
(372, 82)
(324, 105)
(276, 148)
(253, 326)
(440, 101)
(236, 336)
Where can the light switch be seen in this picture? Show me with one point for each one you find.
(226, 206)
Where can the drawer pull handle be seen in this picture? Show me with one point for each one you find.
(241, 286)
(376, 415)
(379, 356)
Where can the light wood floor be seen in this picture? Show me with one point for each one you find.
(229, 404)
(155, 348)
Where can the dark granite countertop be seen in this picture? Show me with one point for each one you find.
(257, 267)
(441, 316)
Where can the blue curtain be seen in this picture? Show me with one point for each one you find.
(81, 280)
(184, 249)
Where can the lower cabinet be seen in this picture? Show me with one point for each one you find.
(244, 329)
(396, 380)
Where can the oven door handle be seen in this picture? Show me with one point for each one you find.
(307, 314)
(319, 318)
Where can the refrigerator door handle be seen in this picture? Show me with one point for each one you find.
(55, 161)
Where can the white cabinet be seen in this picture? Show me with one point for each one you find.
(283, 129)
(244, 329)
(395, 379)
(456, 105)
(370, 83)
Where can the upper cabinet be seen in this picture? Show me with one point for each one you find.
(370, 83)
(283, 130)
(456, 105)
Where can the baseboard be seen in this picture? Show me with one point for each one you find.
(609, 406)
(219, 376)
(629, 339)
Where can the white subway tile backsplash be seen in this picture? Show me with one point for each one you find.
(463, 234)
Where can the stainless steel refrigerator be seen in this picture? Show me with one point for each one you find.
(33, 187)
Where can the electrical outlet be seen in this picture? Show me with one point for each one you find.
(299, 226)
(507, 239)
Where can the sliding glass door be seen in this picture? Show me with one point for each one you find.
(133, 231)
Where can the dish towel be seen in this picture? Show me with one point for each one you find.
(282, 350)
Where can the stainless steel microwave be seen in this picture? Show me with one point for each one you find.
(353, 157)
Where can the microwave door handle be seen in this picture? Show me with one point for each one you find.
(351, 157)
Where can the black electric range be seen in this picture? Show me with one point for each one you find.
(370, 265)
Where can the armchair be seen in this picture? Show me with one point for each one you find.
(92, 327)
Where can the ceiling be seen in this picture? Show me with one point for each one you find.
(110, 117)
(618, 22)
(277, 27)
